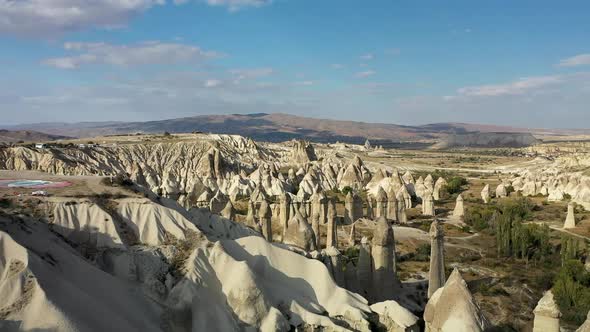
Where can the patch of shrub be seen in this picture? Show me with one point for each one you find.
(478, 216)
(5, 203)
(352, 253)
(509, 189)
(422, 253)
(346, 190)
(455, 184)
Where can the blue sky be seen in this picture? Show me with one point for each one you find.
(521, 63)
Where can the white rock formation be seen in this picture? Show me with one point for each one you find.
(452, 308)
(332, 230)
(395, 318)
(302, 152)
(459, 210)
(352, 235)
(436, 274)
(428, 204)
(284, 210)
(570, 220)
(364, 269)
(315, 226)
(299, 233)
(586, 326)
(218, 202)
(228, 212)
(486, 194)
(547, 314)
(404, 194)
(38, 296)
(385, 281)
(250, 216)
(153, 223)
(86, 223)
(401, 212)
(265, 220)
(501, 191)
(381, 204)
(392, 205)
(353, 208)
(438, 186)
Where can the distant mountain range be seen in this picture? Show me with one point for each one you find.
(13, 136)
(274, 127)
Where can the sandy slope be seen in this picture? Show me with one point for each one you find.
(249, 282)
(45, 285)
(233, 281)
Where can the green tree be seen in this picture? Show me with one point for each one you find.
(571, 291)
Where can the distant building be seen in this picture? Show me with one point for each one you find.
(40, 146)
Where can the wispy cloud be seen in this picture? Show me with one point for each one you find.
(235, 5)
(364, 74)
(305, 83)
(212, 83)
(393, 51)
(578, 60)
(368, 56)
(50, 18)
(517, 87)
(337, 66)
(39, 18)
(250, 73)
(152, 52)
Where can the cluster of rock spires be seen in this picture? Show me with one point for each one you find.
(295, 202)
(558, 180)
(195, 172)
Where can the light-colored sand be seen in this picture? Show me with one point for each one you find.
(250, 277)
(53, 289)
(395, 317)
(152, 222)
(86, 223)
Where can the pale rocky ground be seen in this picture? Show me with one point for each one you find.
(157, 255)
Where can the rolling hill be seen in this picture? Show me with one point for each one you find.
(268, 127)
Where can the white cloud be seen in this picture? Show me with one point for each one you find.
(212, 83)
(49, 18)
(337, 66)
(35, 18)
(152, 52)
(250, 73)
(393, 51)
(578, 60)
(517, 87)
(364, 74)
(234, 5)
(368, 56)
